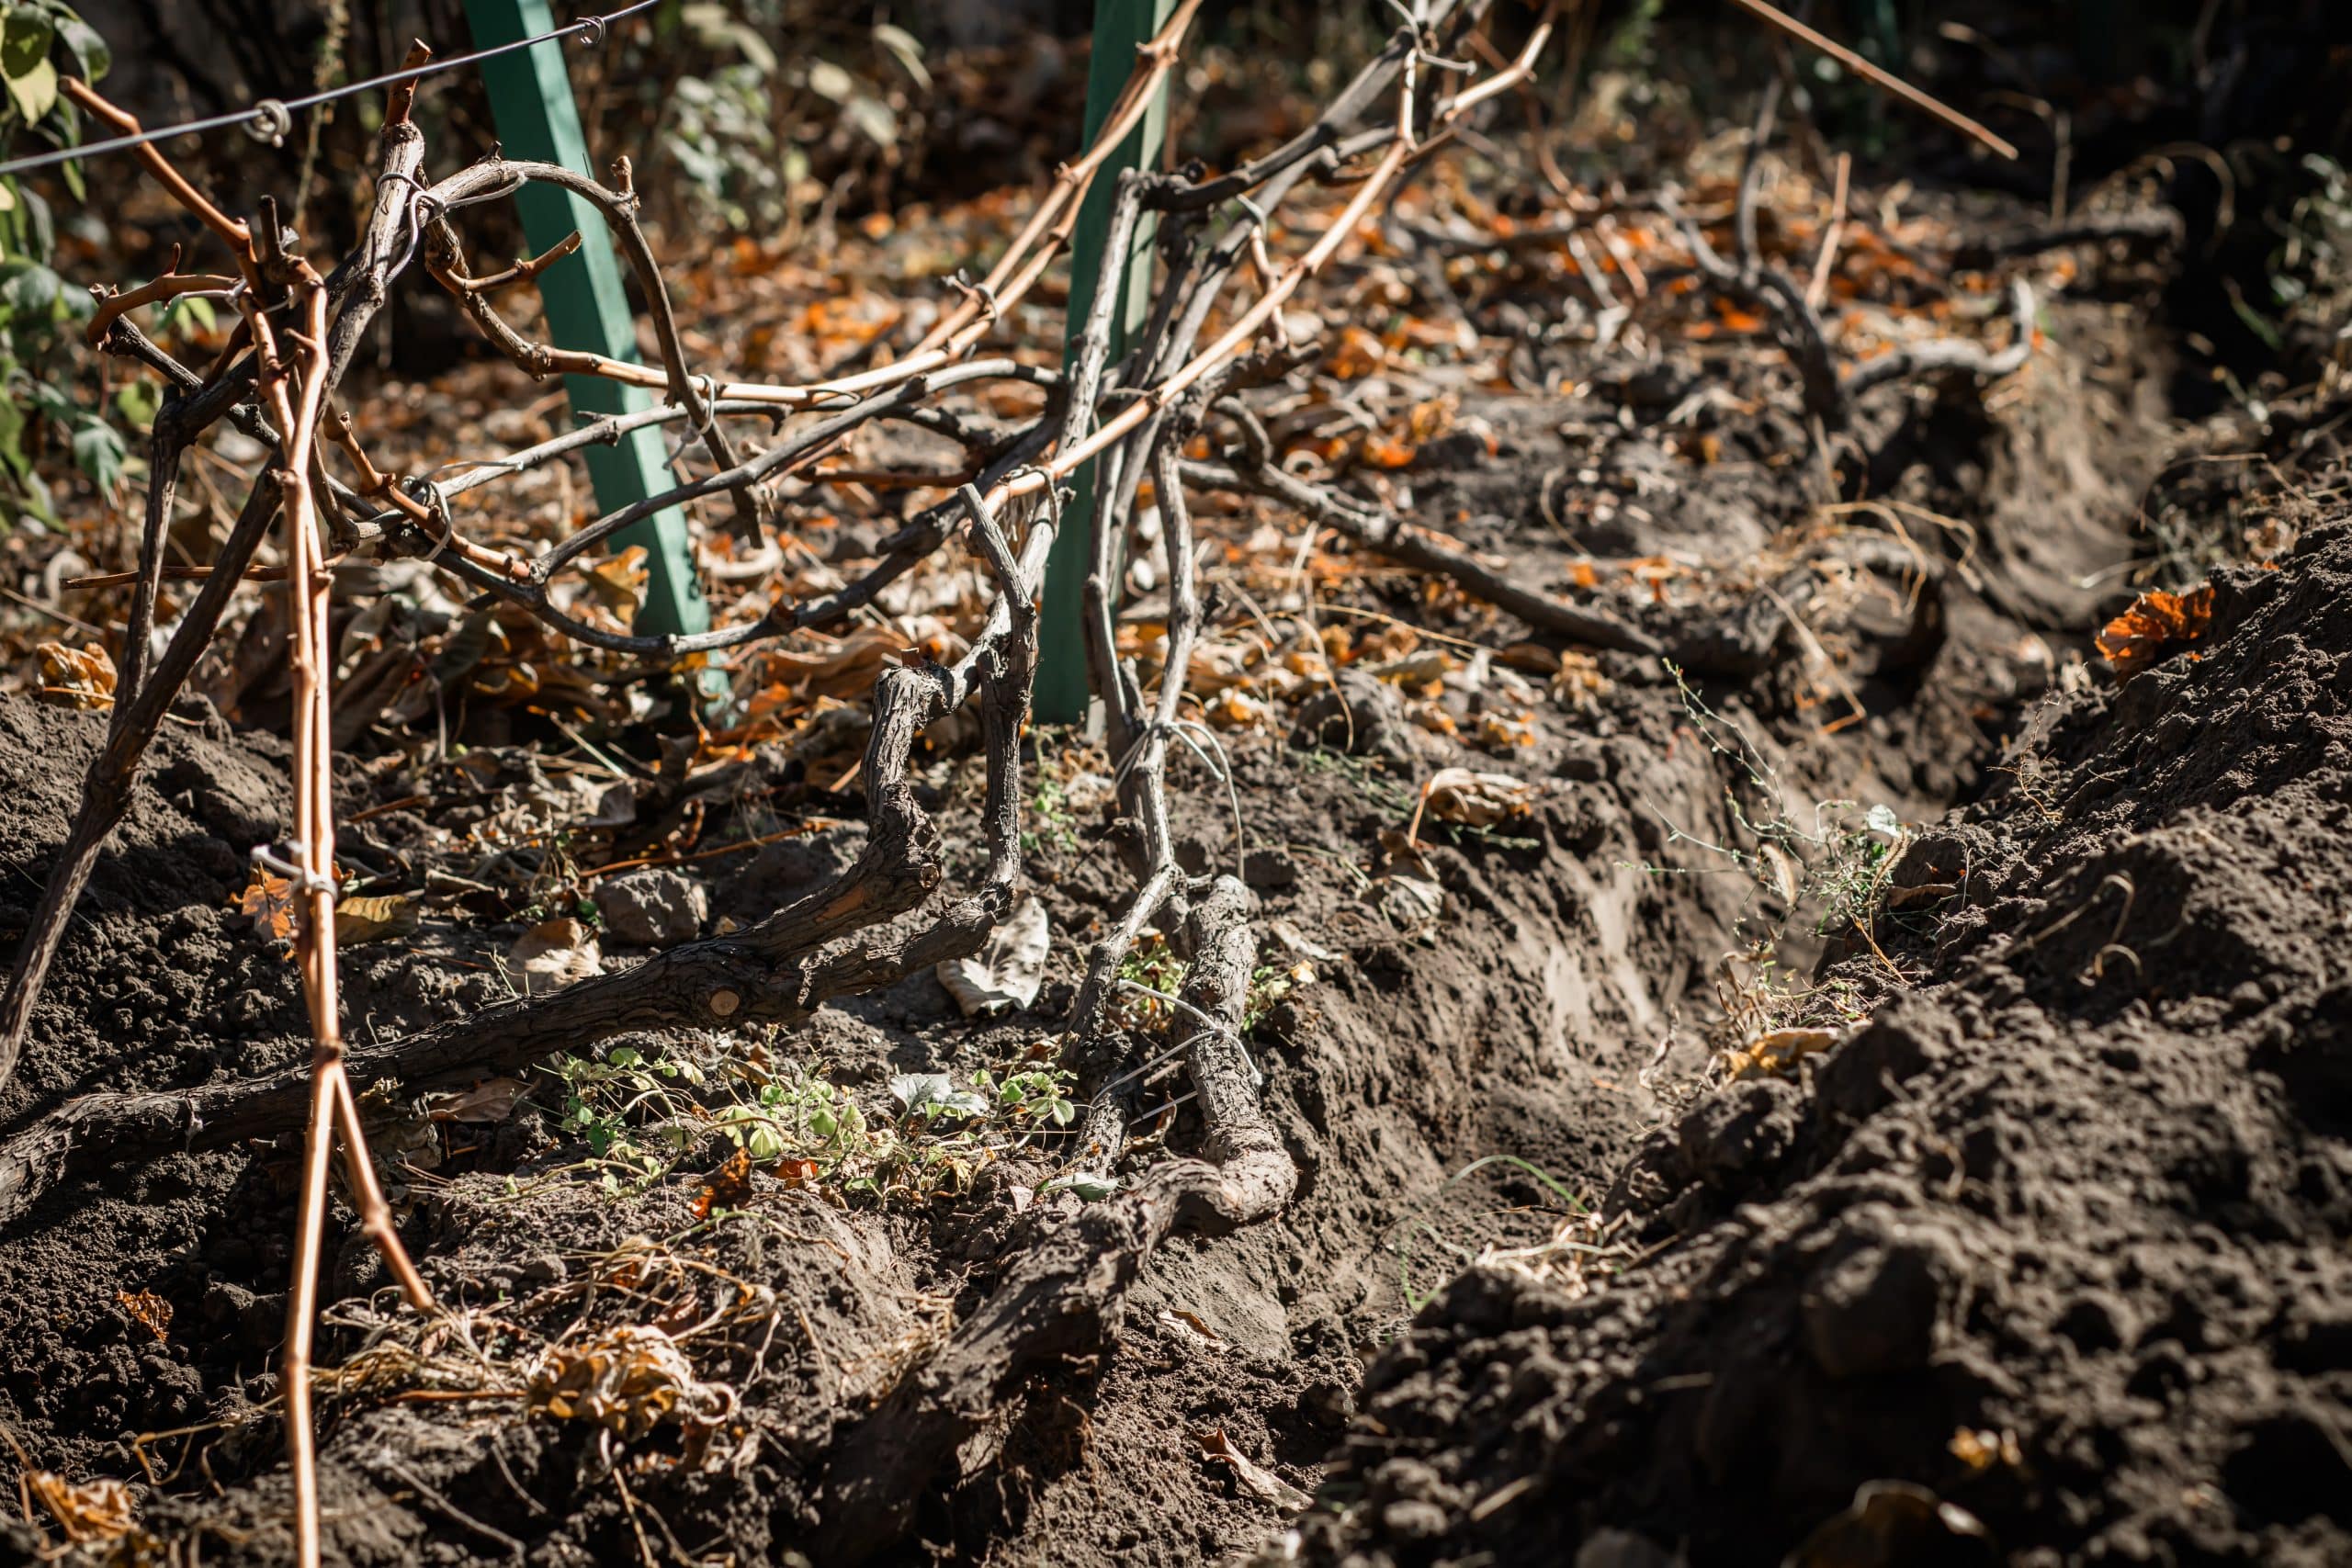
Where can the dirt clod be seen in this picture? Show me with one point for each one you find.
(653, 906)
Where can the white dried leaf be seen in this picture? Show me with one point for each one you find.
(1477, 800)
(1410, 902)
(905, 50)
(1254, 1478)
(1298, 941)
(1009, 969)
(556, 952)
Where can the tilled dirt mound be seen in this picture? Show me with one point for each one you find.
(2045, 1264)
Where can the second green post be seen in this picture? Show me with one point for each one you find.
(1120, 27)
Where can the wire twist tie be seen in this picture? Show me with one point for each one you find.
(271, 122)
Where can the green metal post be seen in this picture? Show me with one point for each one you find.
(1120, 27)
(530, 94)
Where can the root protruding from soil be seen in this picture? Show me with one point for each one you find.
(1061, 1302)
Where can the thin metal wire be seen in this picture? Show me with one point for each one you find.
(272, 111)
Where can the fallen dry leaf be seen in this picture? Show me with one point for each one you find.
(1188, 1324)
(1894, 1522)
(1357, 354)
(2273, 536)
(1410, 903)
(1980, 1449)
(1775, 1051)
(730, 1186)
(1010, 967)
(79, 677)
(1474, 799)
(1255, 1479)
(2139, 637)
(90, 1512)
(1578, 682)
(152, 1311)
(1505, 731)
(1408, 892)
(628, 1380)
(556, 952)
(1237, 710)
(373, 919)
(1423, 667)
(620, 583)
(269, 902)
(493, 1099)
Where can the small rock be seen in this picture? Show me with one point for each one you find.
(262, 1322)
(653, 907)
(1364, 717)
(172, 1391)
(1413, 1521)
(225, 1302)
(1583, 759)
(1269, 869)
(545, 1269)
(1327, 1403)
(1747, 1128)
(1873, 1312)
(787, 868)
(1622, 1549)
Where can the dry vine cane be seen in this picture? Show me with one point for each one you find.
(356, 291)
(295, 388)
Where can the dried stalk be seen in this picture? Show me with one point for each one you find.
(294, 388)
(1876, 75)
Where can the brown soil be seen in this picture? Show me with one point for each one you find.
(2081, 1186)
(2078, 1182)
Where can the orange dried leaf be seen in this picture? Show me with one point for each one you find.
(269, 902)
(150, 1310)
(2139, 637)
(730, 1188)
(1358, 354)
(89, 1512)
(81, 677)
(617, 584)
